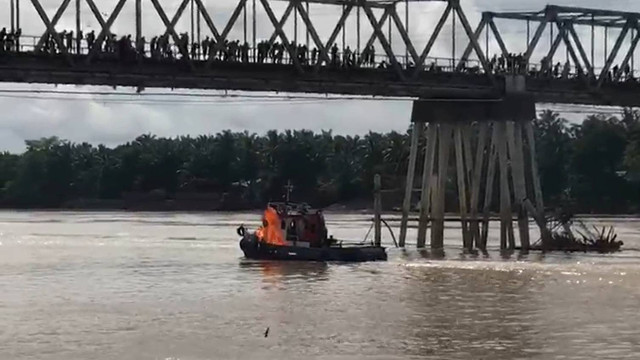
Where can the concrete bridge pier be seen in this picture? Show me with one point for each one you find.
(474, 154)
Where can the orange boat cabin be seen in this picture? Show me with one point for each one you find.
(288, 224)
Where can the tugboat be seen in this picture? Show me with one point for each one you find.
(295, 231)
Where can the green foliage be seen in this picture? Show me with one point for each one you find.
(554, 151)
(323, 168)
(591, 164)
(596, 165)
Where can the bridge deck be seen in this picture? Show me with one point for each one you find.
(148, 73)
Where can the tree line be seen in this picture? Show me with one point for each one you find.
(591, 167)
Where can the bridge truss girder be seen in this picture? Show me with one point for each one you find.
(564, 19)
(390, 15)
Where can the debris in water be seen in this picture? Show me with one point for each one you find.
(562, 226)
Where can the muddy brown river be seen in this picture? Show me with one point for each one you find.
(175, 286)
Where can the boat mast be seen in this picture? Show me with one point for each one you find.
(289, 189)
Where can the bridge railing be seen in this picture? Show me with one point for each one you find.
(28, 43)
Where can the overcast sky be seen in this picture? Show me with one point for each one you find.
(100, 119)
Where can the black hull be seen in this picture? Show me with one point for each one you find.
(254, 249)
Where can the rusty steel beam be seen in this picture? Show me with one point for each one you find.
(343, 18)
(170, 25)
(498, 37)
(311, 30)
(469, 48)
(474, 41)
(377, 30)
(225, 32)
(564, 33)
(283, 20)
(104, 26)
(379, 4)
(583, 54)
(629, 55)
(432, 40)
(372, 38)
(403, 33)
(292, 52)
(614, 53)
(50, 24)
(534, 42)
(207, 19)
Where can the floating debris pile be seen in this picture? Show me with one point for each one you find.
(560, 236)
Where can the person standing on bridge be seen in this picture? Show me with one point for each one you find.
(69, 41)
(140, 43)
(91, 38)
(245, 52)
(334, 55)
(63, 39)
(79, 37)
(16, 39)
(346, 57)
(153, 47)
(566, 71)
(195, 50)
(294, 51)
(262, 53)
(544, 66)
(303, 52)
(212, 49)
(3, 36)
(616, 69)
(3, 39)
(8, 42)
(205, 48)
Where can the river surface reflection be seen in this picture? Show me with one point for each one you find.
(175, 286)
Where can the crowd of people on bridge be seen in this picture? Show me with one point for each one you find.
(168, 47)
(172, 46)
(518, 64)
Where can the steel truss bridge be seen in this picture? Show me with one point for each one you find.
(408, 70)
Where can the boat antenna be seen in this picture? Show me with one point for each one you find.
(289, 189)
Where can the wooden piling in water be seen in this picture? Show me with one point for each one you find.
(475, 184)
(506, 225)
(427, 174)
(438, 207)
(514, 136)
(489, 184)
(462, 185)
(485, 140)
(537, 189)
(377, 209)
(411, 170)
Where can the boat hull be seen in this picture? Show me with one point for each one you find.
(254, 249)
